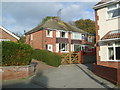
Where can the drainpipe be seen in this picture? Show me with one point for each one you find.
(70, 47)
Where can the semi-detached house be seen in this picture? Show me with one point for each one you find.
(56, 35)
(107, 13)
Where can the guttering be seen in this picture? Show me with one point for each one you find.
(13, 35)
(106, 4)
(110, 39)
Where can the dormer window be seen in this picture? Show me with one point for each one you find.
(113, 11)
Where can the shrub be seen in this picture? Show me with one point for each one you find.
(48, 57)
(16, 53)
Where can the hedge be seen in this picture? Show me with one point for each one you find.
(48, 57)
(16, 53)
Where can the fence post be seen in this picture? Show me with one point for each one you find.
(80, 57)
(59, 53)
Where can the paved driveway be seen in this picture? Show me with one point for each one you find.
(70, 76)
(65, 76)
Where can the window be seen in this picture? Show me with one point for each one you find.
(113, 11)
(77, 48)
(31, 36)
(111, 53)
(76, 35)
(83, 37)
(62, 34)
(117, 53)
(49, 33)
(114, 51)
(62, 46)
(49, 47)
(89, 39)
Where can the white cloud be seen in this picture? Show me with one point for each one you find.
(26, 15)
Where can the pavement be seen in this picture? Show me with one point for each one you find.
(65, 76)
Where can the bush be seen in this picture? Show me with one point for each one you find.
(48, 57)
(16, 53)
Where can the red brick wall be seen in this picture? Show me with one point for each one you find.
(16, 72)
(51, 40)
(5, 35)
(40, 40)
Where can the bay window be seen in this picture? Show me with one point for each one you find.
(114, 51)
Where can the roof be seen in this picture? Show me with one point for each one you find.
(112, 35)
(9, 32)
(57, 25)
(104, 3)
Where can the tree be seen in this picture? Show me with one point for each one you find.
(47, 18)
(86, 25)
(21, 36)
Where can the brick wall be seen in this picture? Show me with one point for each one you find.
(5, 35)
(16, 72)
(109, 73)
(52, 41)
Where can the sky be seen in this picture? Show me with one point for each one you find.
(20, 16)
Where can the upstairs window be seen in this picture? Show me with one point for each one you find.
(83, 37)
(76, 36)
(62, 34)
(49, 33)
(89, 39)
(113, 11)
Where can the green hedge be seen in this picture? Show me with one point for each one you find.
(48, 57)
(16, 53)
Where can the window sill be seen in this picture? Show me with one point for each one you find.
(113, 18)
(113, 60)
(49, 36)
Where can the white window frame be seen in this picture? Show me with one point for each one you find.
(75, 33)
(114, 49)
(66, 48)
(66, 34)
(90, 39)
(108, 10)
(31, 36)
(51, 33)
(50, 46)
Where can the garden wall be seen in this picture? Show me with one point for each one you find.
(111, 74)
(16, 72)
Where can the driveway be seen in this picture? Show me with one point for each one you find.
(70, 76)
(65, 76)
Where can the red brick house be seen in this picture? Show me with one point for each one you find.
(107, 14)
(56, 35)
(6, 35)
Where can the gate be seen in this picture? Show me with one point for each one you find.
(71, 58)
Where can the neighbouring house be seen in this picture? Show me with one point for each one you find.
(56, 35)
(107, 14)
(6, 35)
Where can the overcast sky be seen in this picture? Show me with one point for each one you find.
(20, 16)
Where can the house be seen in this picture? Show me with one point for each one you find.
(56, 35)
(6, 35)
(107, 14)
